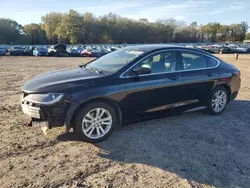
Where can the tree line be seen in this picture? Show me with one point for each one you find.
(76, 28)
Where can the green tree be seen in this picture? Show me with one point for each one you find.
(245, 27)
(36, 33)
(247, 36)
(236, 32)
(71, 27)
(74, 27)
(209, 31)
(51, 21)
(223, 33)
(10, 31)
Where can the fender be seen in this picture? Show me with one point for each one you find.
(115, 98)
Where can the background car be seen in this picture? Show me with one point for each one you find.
(225, 50)
(17, 51)
(40, 51)
(89, 52)
(75, 51)
(2, 51)
(59, 50)
(214, 49)
(104, 50)
(29, 51)
(240, 49)
(129, 84)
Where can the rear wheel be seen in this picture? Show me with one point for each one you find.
(218, 101)
(95, 122)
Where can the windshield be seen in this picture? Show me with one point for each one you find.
(114, 61)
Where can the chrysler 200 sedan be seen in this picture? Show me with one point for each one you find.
(133, 82)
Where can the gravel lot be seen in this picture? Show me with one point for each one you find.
(189, 150)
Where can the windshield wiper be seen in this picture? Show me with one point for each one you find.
(95, 70)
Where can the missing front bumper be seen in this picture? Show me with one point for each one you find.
(33, 112)
(53, 116)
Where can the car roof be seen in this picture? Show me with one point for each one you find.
(155, 47)
(152, 47)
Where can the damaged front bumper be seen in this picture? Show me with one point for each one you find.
(54, 114)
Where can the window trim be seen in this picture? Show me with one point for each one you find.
(122, 75)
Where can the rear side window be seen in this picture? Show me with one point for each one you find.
(193, 61)
(211, 62)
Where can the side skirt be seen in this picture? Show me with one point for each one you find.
(195, 109)
(174, 105)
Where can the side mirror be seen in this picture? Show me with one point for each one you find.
(141, 70)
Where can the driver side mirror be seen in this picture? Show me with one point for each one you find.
(141, 70)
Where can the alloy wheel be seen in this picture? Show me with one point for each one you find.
(219, 101)
(97, 123)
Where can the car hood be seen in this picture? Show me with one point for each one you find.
(57, 81)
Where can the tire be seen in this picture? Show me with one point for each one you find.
(211, 106)
(83, 122)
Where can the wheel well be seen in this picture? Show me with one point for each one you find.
(227, 87)
(113, 104)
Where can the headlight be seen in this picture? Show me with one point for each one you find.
(47, 99)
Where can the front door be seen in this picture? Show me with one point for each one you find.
(155, 91)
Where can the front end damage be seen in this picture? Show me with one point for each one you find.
(44, 114)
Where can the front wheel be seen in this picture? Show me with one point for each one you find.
(218, 101)
(95, 122)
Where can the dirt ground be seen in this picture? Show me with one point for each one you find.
(189, 150)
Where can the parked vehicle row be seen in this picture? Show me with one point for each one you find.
(100, 50)
(95, 51)
(58, 50)
(224, 49)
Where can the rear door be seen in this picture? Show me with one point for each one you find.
(198, 75)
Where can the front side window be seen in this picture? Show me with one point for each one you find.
(193, 61)
(114, 61)
(162, 62)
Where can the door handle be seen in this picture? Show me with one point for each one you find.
(173, 77)
(210, 74)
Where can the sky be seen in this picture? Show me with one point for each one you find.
(201, 11)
